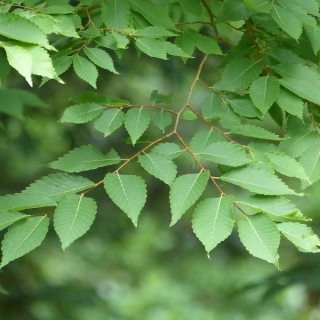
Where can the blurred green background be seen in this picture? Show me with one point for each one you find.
(152, 272)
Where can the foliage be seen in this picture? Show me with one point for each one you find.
(269, 68)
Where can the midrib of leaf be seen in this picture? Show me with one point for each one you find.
(216, 218)
(298, 140)
(239, 76)
(278, 14)
(313, 168)
(191, 189)
(74, 219)
(125, 193)
(137, 122)
(25, 238)
(83, 69)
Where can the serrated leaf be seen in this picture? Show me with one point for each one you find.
(19, 28)
(264, 147)
(212, 107)
(122, 40)
(186, 43)
(189, 115)
(81, 113)
(115, 14)
(313, 33)
(157, 97)
(239, 74)
(245, 108)
(284, 55)
(73, 217)
(109, 121)
(260, 161)
(300, 235)
(259, 5)
(226, 153)
(59, 9)
(203, 139)
(85, 70)
(300, 79)
(213, 221)
(235, 10)
(263, 92)
(7, 218)
(290, 103)
(84, 158)
(174, 50)
(153, 32)
(57, 185)
(62, 64)
(287, 166)
(65, 25)
(128, 192)
(260, 237)
(161, 119)
(258, 181)
(152, 48)
(22, 237)
(136, 122)
(159, 166)
(192, 6)
(168, 150)
(22, 201)
(310, 161)
(250, 130)
(287, 21)
(185, 191)
(206, 44)
(101, 58)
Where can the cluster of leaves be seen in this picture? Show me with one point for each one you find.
(271, 68)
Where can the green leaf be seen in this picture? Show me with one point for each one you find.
(185, 191)
(57, 185)
(128, 192)
(22, 201)
(264, 147)
(250, 130)
(19, 28)
(92, 97)
(234, 10)
(288, 166)
(168, 150)
(153, 32)
(244, 108)
(174, 50)
(300, 235)
(122, 40)
(157, 97)
(284, 55)
(85, 70)
(64, 25)
(260, 237)
(192, 6)
(136, 122)
(258, 181)
(310, 161)
(287, 21)
(152, 48)
(213, 221)
(81, 113)
(109, 121)
(22, 237)
(205, 44)
(259, 5)
(226, 153)
(260, 161)
(73, 217)
(301, 80)
(159, 167)
(100, 58)
(84, 158)
(19, 59)
(313, 33)
(212, 107)
(203, 139)
(153, 13)
(161, 118)
(290, 103)
(7, 218)
(115, 14)
(185, 42)
(239, 74)
(62, 64)
(189, 115)
(263, 92)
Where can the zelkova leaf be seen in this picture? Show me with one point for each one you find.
(7, 218)
(168, 150)
(192, 6)
(239, 74)
(22, 237)
(234, 10)
(153, 32)
(101, 58)
(128, 192)
(25, 200)
(245, 108)
(300, 235)
(213, 221)
(226, 153)
(84, 158)
(73, 217)
(260, 236)
(310, 160)
(136, 122)
(109, 121)
(263, 92)
(258, 181)
(57, 185)
(250, 130)
(174, 50)
(19, 28)
(152, 48)
(85, 70)
(159, 166)
(300, 79)
(81, 113)
(205, 44)
(115, 14)
(185, 191)
(287, 166)
(290, 103)
(161, 119)
(202, 139)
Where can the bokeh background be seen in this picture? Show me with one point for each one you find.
(151, 272)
